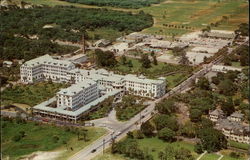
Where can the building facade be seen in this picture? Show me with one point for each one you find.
(45, 68)
(231, 126)
(77, 95)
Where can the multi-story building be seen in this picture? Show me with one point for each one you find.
(234, 131)
(45, 68)
(216, 115)
(231, 126)
(77, 95)
(137, 85)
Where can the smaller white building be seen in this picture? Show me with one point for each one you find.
(224, 69)
(78, 95)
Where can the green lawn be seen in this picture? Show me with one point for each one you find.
(196, 14)
(155, 145)
(173, 80)
(239, 145)
(30, 94)
(210, 156)
(236, 64)
(109, 156)
(40, 137)
(152, 72)
(231, 158)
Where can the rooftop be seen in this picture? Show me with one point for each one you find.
(61, 110)
(76, 88)
(47, 59)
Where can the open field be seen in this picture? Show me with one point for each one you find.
(153, 71)
(30, 94)
(196, 14)
(239, 145)
(109, 156)
(210, 156)
(175, 79)
(156, 145)
(40, 137)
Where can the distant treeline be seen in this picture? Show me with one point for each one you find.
(117, 3)
(63, 23)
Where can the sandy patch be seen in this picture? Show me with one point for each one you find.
(42, 155)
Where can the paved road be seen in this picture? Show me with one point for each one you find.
(118, 131)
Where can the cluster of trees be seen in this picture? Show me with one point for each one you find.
(178, 26)
(180, 52)
(211, 140)
(128, 107)
(102, 110)
(12, 47)
(164, 125)
(175, 153)
(243, 29)
(105, 58)
(63, 23)
(240, 54)
(118, 3)
(130, 148)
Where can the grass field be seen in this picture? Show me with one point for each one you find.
(156, 145)
(239, 145)
(173, 80)
(39, 137)
(195, 14)
(210, 156)
(152, 72)
(30, 94)
(109, 156)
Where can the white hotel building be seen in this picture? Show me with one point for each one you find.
(77, 95)
(89, 89)
(45, 68)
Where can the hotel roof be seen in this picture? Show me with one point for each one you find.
(47, 59)
(61, 110)
(76, 88)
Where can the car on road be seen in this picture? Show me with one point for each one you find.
(94, 150)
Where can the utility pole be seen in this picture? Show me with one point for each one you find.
(83, 44)
(103, 146)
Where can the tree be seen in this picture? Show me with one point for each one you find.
(215, 80)
(227, 106)
(105, 59)
(203, 83)
(161, 121)
(130, 64)
(166, 134)
(145, 61)
(227, 87)
(166, 107)
(198, 148)
(155, 60)
(212, 140)
(195, 115)
(123, 60)
(184, 60)
(147, 129)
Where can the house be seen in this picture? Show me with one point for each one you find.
(7, 63)
(234, 130)
(102, 43)
(216, 115)
(224, 69)
(218, 35)
(236, 116)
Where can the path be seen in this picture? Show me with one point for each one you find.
(221, 156)
(201, 155)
